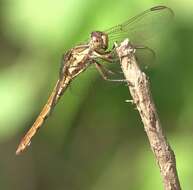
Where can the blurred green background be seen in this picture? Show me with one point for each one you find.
(93, 139)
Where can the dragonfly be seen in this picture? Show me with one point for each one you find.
(98, 49)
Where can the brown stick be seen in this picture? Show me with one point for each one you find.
(139, 88)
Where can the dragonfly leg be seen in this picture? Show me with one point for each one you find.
(101, 69)
(107, 56)
(105, 70)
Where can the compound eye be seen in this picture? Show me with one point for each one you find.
(105, 40)
(96, 40)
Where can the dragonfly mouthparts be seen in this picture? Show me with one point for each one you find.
(99, 40)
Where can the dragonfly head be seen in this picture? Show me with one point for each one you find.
(99, 40)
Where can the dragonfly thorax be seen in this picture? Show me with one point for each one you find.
(99, 40)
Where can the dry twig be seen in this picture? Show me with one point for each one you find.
(139, 88)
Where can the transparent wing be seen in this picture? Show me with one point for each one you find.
(142, 27)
